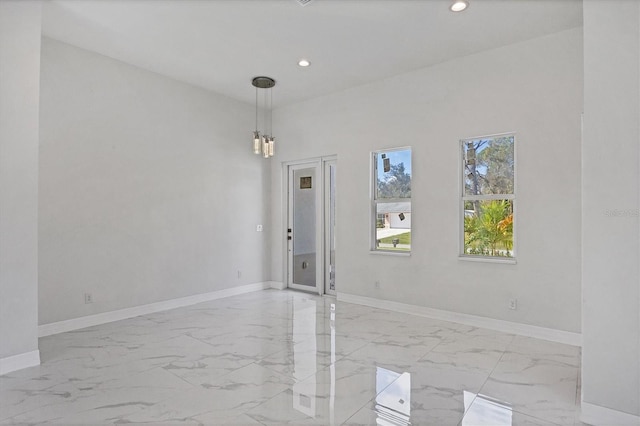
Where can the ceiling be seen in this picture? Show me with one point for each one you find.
(222, 44)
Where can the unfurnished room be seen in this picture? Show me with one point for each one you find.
(329, 212)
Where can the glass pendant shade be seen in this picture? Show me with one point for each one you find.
(272, 142)
(256, 142)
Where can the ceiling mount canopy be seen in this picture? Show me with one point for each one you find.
(263, 82)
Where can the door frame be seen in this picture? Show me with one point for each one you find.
(321, 222)
(326, 165)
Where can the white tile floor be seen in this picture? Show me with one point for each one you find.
(281, 357)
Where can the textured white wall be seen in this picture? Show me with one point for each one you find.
(610, 188)
(149, 189)
(533, 88)
(19, 85)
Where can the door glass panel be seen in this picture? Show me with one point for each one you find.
(304, 226)
(332, 225)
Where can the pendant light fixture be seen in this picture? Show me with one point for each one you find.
(264, 142)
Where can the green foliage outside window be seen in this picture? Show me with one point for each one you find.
(490, 233)
(488, 195)
(397, 183)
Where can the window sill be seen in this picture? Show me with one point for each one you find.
(390, 253)
(508, 261)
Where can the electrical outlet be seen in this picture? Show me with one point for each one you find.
(376, 284)
(88, 298)
(513, 304)
(258, 228)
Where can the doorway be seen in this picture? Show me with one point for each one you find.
(310, 227)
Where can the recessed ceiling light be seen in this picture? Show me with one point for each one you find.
(304, 63)
(459, 5)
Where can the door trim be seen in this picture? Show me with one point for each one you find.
(326, 195)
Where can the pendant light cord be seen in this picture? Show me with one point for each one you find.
(270, 112)
(256, 109)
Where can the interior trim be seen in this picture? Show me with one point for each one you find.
(120, 314)
(560, 336)
(598, 415)
(20, 361)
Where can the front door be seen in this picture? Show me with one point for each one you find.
(304, 237)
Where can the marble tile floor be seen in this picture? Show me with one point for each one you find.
(284, 357)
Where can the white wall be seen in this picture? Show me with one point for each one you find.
(610, 188)
(533, 88)
(19, 85)
(149, 188)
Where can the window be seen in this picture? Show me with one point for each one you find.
(391, 200)
(488, 196)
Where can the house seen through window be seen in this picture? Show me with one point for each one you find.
(391, 200)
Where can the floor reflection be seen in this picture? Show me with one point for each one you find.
(483, 410)
(238, 360)
(393, 400)
(309, 342)
(314, 388)
(304, 356)
(332, 367)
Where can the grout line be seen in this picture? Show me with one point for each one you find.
(487, 379)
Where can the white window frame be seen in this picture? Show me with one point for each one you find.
(463, 197)
(374, 203)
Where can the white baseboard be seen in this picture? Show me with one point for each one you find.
(560, 336)
(601, 416)
(20, 361)
(277, 285)
(105, 317)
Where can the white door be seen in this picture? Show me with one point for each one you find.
(304, 227)
(311, 220)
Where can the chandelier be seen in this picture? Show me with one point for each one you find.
(264, 142)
